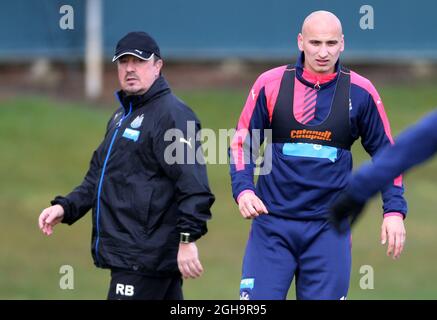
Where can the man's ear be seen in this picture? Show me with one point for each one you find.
(342, 43)
(300, 41)
(159, 63)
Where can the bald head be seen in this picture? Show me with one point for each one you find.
(321, 41)
(323, 20)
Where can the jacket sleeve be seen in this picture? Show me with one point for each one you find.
(248, 138)
(375, 135)
(181, 158)
(77, 203)
(414, 146)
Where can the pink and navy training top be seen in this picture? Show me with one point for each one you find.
(305, 177)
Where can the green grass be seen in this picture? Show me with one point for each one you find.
(46, 148)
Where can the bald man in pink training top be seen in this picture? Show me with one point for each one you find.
(316, 109)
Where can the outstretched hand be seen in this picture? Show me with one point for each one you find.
(345, 207)
(50, 217)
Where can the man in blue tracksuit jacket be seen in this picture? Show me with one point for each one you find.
(315, 111)
(414, 146)
(149, 197)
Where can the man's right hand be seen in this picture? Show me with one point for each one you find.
(345, 207)
(251, 206)
(49, 217)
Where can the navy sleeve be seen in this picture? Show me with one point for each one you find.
(180, 156)
(414, 146)
(77, 203)
(248, 138)
(375, 135)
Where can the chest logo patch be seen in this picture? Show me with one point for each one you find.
(131, 134)
(136, 123)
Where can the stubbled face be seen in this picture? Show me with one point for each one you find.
(322, 41)
(135, 75)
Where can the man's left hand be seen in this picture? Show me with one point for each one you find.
(393, 230)
(188, 260)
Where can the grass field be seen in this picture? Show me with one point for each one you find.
(46, 147)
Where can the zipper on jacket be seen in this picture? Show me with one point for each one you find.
(102, 175)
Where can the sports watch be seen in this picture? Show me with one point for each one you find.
(185, 237)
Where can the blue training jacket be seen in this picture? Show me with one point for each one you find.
(305, 178)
